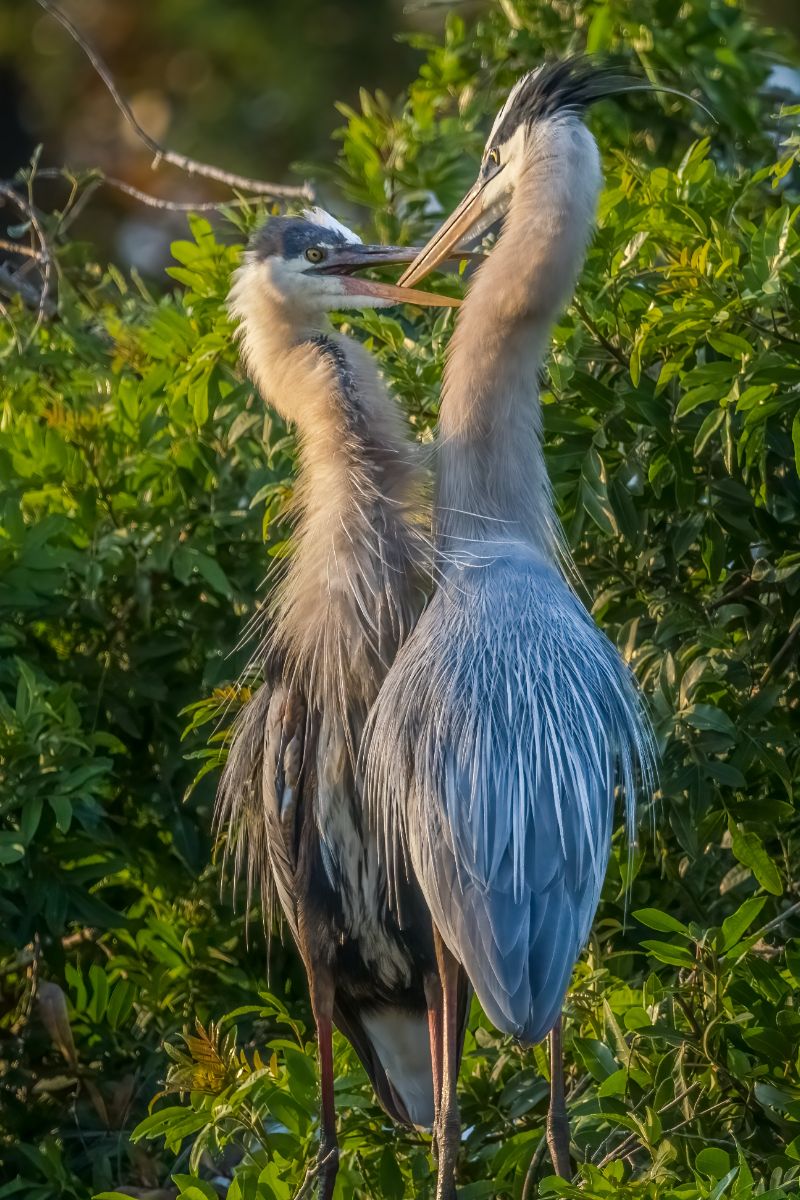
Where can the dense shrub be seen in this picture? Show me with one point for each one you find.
(144, 490)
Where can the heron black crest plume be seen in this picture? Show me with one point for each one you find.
(570, 86)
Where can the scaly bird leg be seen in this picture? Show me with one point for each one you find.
(448, 1128)
(557, 1118)
(433, 998)
(328, 1157)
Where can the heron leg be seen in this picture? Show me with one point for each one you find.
(322, 992)
(433, 998)
(448, 1125)
(557, 1118)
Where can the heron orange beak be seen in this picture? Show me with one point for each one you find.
(468, 219)
(356, 257)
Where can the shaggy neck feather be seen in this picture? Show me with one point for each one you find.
(348, 595)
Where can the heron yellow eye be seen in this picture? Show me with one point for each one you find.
(314, 254)
(494, 156)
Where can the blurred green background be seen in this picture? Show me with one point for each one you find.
(249, 85)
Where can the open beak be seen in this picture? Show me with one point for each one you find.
(344, 262)
(468, 219)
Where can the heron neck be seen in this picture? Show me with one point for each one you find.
(328, 387)
(351, 589)
(493, 484)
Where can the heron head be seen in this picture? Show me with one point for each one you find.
(310, 265)
(539, 127)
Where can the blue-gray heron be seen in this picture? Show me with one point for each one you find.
(350, 595)
(508, 721)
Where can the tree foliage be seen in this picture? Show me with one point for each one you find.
(144, 489)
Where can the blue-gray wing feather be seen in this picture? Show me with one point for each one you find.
(498, 742)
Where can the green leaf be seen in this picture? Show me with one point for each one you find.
(12, 848)
(725, 342)
(594, 492)
(213, 574)
(159, 1124)
(708, 716)
(692, 399)
(99, 998)
(665, 952)
(121, 1003)
(711, 424)
(198, 399)
(749, 849)
(718, 1192)
(597, 1058)
(713, 1162)
(735, 925)
(62, 807)
(192, 1188)
(654, 918)
(391, 1177)
(599, 34)
(752, 396)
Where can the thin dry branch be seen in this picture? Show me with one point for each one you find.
(181, 206)
(190, 166)
(15, 283)
(18, 248)
(96, 178)
(533, 1167)
(770, 670)
(11, 285)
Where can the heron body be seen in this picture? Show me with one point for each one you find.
(508, 721)
(350, 595)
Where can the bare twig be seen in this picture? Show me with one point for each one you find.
(161, 154)
(633, 1139)
(776, 921)
(15, 343)
(607, 345)
(97, 178)
(740, 590)
(15, 283)
(18, 248)
(787, 645)
(533, 1167)
(11, 285)
(311, 1175)
(25, 957)
(182, 206)
(46, 307)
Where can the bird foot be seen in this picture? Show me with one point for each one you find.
(558, 1138)
(327, 1169)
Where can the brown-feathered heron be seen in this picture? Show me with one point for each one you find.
(350, 595)
(508, 721)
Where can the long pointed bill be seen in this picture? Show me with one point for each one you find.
(357, 257)
(392, 294)
(459, 224)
